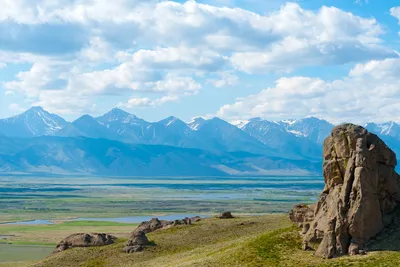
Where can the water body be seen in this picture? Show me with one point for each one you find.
(30, 222)
(175, 197)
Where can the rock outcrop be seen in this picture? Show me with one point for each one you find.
(152, 225)
(155, 224)
(360, 196)
(85, 240)
(137, 242)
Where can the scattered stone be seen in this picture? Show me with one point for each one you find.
(361, 192)
(196, 219)
(133, 249)
(186, 221)
(155, 224)
(85, 240)
(226, 215)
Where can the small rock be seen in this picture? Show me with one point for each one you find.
(132, 249)
(226, 215)
(196, 219)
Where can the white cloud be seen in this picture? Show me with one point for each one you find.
(9, 93)
(162, 47)
(395, 12)
(146, 102)
(371, 92)
(225, 79)
(15, 107)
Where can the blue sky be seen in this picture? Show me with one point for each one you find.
(236, 59)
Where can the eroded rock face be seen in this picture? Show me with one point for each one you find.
(361, 192)
(85, 240)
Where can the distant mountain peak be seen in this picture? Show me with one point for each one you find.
(171, 120)
(33, 122)
(117, 114)
(196, 123)
(36, 108)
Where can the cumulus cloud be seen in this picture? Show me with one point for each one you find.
(82, 49)
(395, 12)
(371, 92)
(225, 79)
(146, 102)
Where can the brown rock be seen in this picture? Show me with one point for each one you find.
(302, 215)
(152, 225)
(361, 191)
(137, 242)
(138, 238)
(226, 215)
(85, 240)
(196, 219)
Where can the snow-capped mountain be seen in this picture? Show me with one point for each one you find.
(31, 123)
(275, 135)
(311, 128)
(391, 129)
(126, 126)
(130, 142)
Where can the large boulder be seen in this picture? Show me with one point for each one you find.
(360, 196)
(85, 240)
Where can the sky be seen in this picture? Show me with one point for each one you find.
(236, 59)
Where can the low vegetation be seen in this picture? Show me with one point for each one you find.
(268, 240)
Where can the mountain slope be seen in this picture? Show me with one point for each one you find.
(313, 129)
(105, 157)
(33, 122)
(274, 135)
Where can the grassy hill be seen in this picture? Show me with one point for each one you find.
(269, 240)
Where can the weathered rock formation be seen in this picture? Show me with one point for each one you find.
(137, 242)
(303, 215)
(152, 225)
(85, 240)
(360, 196)
(226, 215)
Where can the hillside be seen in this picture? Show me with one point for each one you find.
(248, 241)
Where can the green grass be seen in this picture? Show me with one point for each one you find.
(53, 233)
(248, 241)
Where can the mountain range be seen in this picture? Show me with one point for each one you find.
(119, 143)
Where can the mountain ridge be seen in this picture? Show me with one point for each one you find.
(277, 142)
